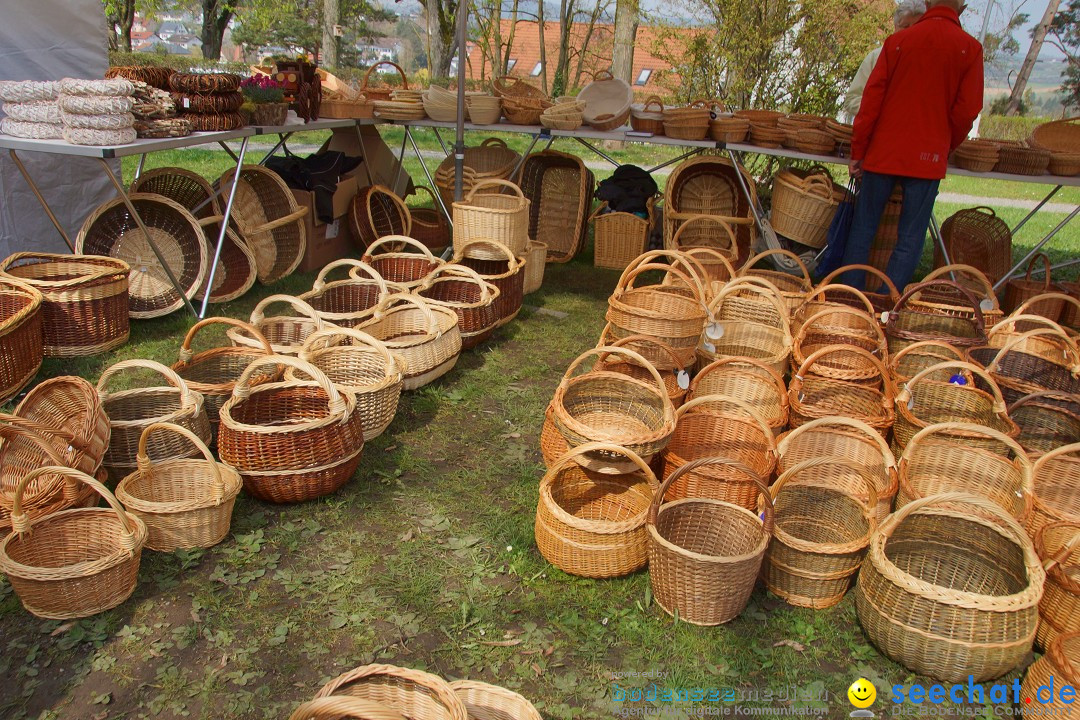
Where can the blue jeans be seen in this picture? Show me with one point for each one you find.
(874, 193)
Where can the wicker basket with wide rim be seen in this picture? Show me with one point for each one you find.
(491, 702)
(1047, 420)
(73, 563)
(749, 321)
(1062, 136)
(820, 533)
(882, 302)
(111, 230)
(270, 220)
(719, 426)
(84, 300)
(934, 463)
(344, 707)
(607, 101)
(535, 262)
(1019, 372)
(923, 402)
(611, 407)
(709, 185)
(363, 365)
(950, 301)
(593, 524)
(834, 297)
(813, 396)
(377, 211)
(911, 323)
(642, 119)
(977, 237)
(351, 300)
(803, 205)
(1017, 292)
(293, 440)
(429, 225)
(185, 187)
(462, 290)
(559, 188)
(213, 372)
(1060, 665)
(842, 326)
(424, 334)
(793, 288)
(507, 274)
(236, 268)
(916, 357)
(1051, 347)
(1020, 160)
(414, 693)
(392, 259)
(751, 381)
(620, 237)
(184, 503)
(950, 588)
(704, 554)
(285, 333)
(496, 217)
(676, 378)
(1056, 475)
(22, 338)
(1059, 609)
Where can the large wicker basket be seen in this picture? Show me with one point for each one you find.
(816, 392)
(803, 205)
(185, 187)
(977, 237)
(559, 188)
(462, 290)
(237, 268)
(22, 339)
(1059, 610)
(607, 101)
(950, 589)
(350, 301)
(620, 237)
(423, 333)
(506, 273)
(496, 217)
(709, 185)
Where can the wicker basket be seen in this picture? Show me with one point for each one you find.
(1060, 664)
(535, 262)
(709, 185)
(424, 334)
(134, 409)
(950, 589)
(500, 218)
(344, 707)
(836, 298)
(462, 290)
(751, 381)
(376, 211)
(749, 321)
(1061, 136)
(607, 406)
(803, 205)
(933, 463)
(820, 533)
(946, 300)
(391, 258)
(185, 187)
(559, 188)
(73, 563)
(688, 123)
(644, 120)
(490, 160)
(910, 322)
(707, 231)
(842, 326)
(506, 273)
(415, 694)
(1022, 366)
(882, 302)
(1056, 475)
(85, 300)
(491, 702)
(237, 268)
(483, 109)
(592, 524)
(720, 426)
(364, 366)
(620, 237)
(1019, 160)
(848, 440)
(704, 555)
(285, 333)
(1047, 421)
(729, 129)
(607, 101)
(349, 301)
(793, 288)
(269, 220)
(111, 230)
(709, 265)
(1018, 292)
(1056, 544)
(979, 238)
(813, 396)
(916, 357)
(22, 338)
(294, 440)
(429, 225)
(183, 503)
(381, 92)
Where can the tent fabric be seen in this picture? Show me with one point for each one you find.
(50, 40)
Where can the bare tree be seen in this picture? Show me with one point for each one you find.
(216, 15)
(331, 18)
(1037, 38)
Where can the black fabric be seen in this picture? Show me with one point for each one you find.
(318, 174)
(627, 190)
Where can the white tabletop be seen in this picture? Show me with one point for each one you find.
(139, 147)
(321, 124)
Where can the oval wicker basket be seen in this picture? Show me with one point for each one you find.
(414, 693)
(390, 256)
(835, 297)
(474, 300)
(750, 320)
(607, 101)
(1047, 421)
(950, 589)
(381, 92)
(285, 333)
(73, 563)
(424, 334)
(559, 188)
(916, 357)
(1017, 292)
(813, 395)
(22, 337)
(376, 211)
(751, 381)
(1060, 665)
(507, 274)
(490, 160)
(350, 301)
(491, 702)
(846, 327)
(909, 322)
(948, 300)
(1019, 368)
(676, 378)
(344, 707)
(642, 119)
(430, 225)
(1055, 476)
(535, 263)
(593, 524)
(1059, 609)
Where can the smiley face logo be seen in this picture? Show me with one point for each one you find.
(862, 693)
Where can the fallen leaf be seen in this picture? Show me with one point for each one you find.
(408, 536)
(797, 647)
(500, 643)
(60, 630)
(551, 649)
(537, 669)
(391, 448)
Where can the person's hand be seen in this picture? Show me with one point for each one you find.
(855, 168)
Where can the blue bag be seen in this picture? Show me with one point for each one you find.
(836, 240)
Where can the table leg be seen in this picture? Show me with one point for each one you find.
(224, 226)
(41, 199)
(227, 149)
(599, 152)
(401, 158)
(1038, 246)
(363, 154)
(521, 161)
(672, 161)
(935, 233)
(282, 138)
(146, 233)
(438, 136)
(1034, 210)
(427, 174)
(139, 169)
(767, 233)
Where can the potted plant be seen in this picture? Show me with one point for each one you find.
(264, 98)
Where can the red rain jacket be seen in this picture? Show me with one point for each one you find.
(921, 99)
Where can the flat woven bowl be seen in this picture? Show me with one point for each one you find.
(491, 702)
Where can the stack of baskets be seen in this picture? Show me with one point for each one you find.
(440, 104)
(483, 109)
(709, 185)
(1062, 139)
(977, 155)
(31, 109)
(208, 101)
(97, 112)
(688, 123)
(1022, 160)
(728, 128)
(567, 115)
(521, 102)
(491, 160)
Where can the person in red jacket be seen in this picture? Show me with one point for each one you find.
(920, 102)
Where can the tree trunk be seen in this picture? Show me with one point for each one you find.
(331, 16)
(442, 37)
(1037, 38)
(626, 25)
(505, 58)
(127, 19)
(215, 19)
(543, 47)
(566, 22)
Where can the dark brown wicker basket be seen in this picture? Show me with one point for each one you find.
(377, 211)
(208, 104)
(429, 225)
(977, 237)
(204, 83)
(470, 296)
(508, 275)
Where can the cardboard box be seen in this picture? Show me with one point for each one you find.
(380, 160)
(325, 242)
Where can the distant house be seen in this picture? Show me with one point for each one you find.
(379, 49)
(525, 60)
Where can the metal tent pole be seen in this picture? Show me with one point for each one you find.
(459, 146)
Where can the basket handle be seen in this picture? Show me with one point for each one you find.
(404, 80)
(626, 282)
(778, 380)
(333, 707)
(894, 360)
(732, 240)
(777, 251)
(22, 524)
(282, 221)
(785, 478)
(978, 322)
(875, 328)
(894, 294)
(741, 404)
(968, 271)
(354, 266)
(1046, 265)
(823, 288)
(653, 100)
(912, 447)
(999, 402)
(430, 193)
(187, 397)
(818, 185)
(493, 182)
(759, 286)
(887, 385)
(985, 505)
(185, 355)
(1074, 365)
(323, 339)
(1057, 452)
(692, 252)
(390, 301)
(396, 240)
(142, 459)
(1045, 296)
(888, 459)
(1008, 325)
(763, 489)
(569, 460)
(1050, 394)
(13, 426)
(602, 75)
(597, 211)
(493, 142)
(367, 197)
(258, 315)
(604, 351)
(511, 260)
(460, 272)
(335, 402)
(630, 339)
(1066, 550)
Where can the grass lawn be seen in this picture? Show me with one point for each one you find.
(425, 559)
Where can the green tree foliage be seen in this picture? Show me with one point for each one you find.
(1065, 35)
(120, 14)
(771, 53)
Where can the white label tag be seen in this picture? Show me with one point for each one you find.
(333, 229)
(683, 379)
(986, 304)
(187, 103)
(911, 403)
(709, 347)
(714, 331)
(884, 316)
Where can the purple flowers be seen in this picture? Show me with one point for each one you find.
(262, 89)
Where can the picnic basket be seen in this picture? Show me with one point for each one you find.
(559, 188)
(749, 320)
(507, 274)
(394, 259)
(429, 225)
(976, 237)
(358, 362)
(751, 381)
(803, 205)
(425, 335)
(882, 302)
(705, 554)
(72, 563)
(84, 308)
(184, 503)
(474, 299)
(593, 524)
(1059, 609)
(620, 237)
(719, 426)
(491, 702)
(496, 217)
(820, 533)
(910, 322)
(813, 395)
(950, 588)
(607, 101)
(111, 230)
(349, 301)
(934, 463)
(1018, 292)
(1047, 421)
(642, 119)
(285, 333)
(1055, 475)
(376, 211)
(612, 407)
(414, 693)
(293, 440)
(535, 262)
(22, 338)
(382, 91)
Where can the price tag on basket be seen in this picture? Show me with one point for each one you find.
(986, 304)
(709, 347)
(714, 331)
(683, 379)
